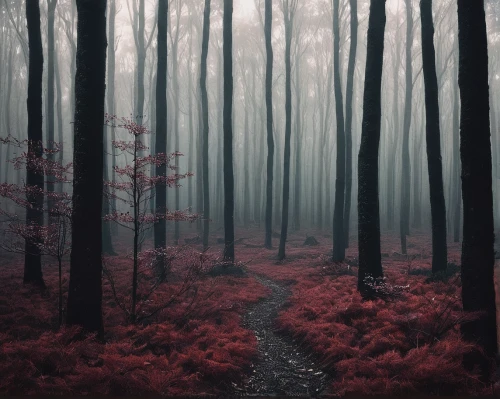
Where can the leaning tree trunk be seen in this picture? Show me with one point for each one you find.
(85, 281)
(404, 222)
(204, 106)
(370, 261)
(351, 66)
(269, 123)
(160, 227)
(478, 260)
(433, 139)
(228, 133)
(338, 216)
(34, 214)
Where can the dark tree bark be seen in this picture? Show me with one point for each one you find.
(298, 147)
(370, 262)
(478, 291)
(338, 215)
(269, 122)
(50, 133)
(433, 140)
(107, 243)
(34, 215)
(85, 282)
(228, 133)
(111, 88)
(289, 7)
(204, 106)
(351, 68)
(457, 182)
(160, 227)
(404, 221)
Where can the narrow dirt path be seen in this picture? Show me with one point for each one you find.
(282, 369)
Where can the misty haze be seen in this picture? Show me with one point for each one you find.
(232, 198)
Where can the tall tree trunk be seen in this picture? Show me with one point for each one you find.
(457, 181)
(160, 227)
(228, 132)
(85, 282)
(111, 90)
(206, 128)
(338, 215)
(478, 291)
(34, 214)
(433, 139)
(269, 122)
(351, 66)
(289, 12)
(141, 63)
(370, 261)
(404, 221)
(298, 146)
(50, 133)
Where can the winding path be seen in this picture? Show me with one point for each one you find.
(282, 369)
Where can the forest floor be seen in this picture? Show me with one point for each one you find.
(291, 328)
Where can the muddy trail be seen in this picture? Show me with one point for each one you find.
(282, 368)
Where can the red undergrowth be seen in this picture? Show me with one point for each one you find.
(194, 346)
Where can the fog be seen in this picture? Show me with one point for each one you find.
(313, 138)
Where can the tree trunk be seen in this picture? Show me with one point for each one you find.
(204, 106)
(228, 133)
(34, 214)
(269, 123)
(478, 291)
(351, 66)
(370, 262)
(404, 222)
(111, 90)
(338, 215)
(50, 133)
(433, 139)
(160, 227)
(85, 282)
(289, 11)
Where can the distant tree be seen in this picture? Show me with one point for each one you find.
(85, 282)
(289, 10)
(269, 122)
(370, 261)
(433, 139)
(338, 215)
(228, 132)
(351, 67)
(204, 105)
(404, 221)
(160, 232)
(478, 260)
(457, 182)
(34, 215)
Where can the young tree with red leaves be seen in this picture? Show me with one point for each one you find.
(478, 258)
(85, 282)
(138, 188)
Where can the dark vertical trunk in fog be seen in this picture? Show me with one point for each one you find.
(60, 128)
(111, 89)
(50, 133)
(338, 215)
(219, 189)
(8, 92)
(478, 260)
(391, 162)
(433, 140)
(228, 132)
(108, 204)
(298, 147)
(204, 106)
(160, 227)
(34, 215)
(191, 152)
(404, 221)
(351, 66)
(417, 206)
(85, 281)
(269, 123)
(457, 181)
(141, 63)
(370, 262)
(246, 158)
(289, 8)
